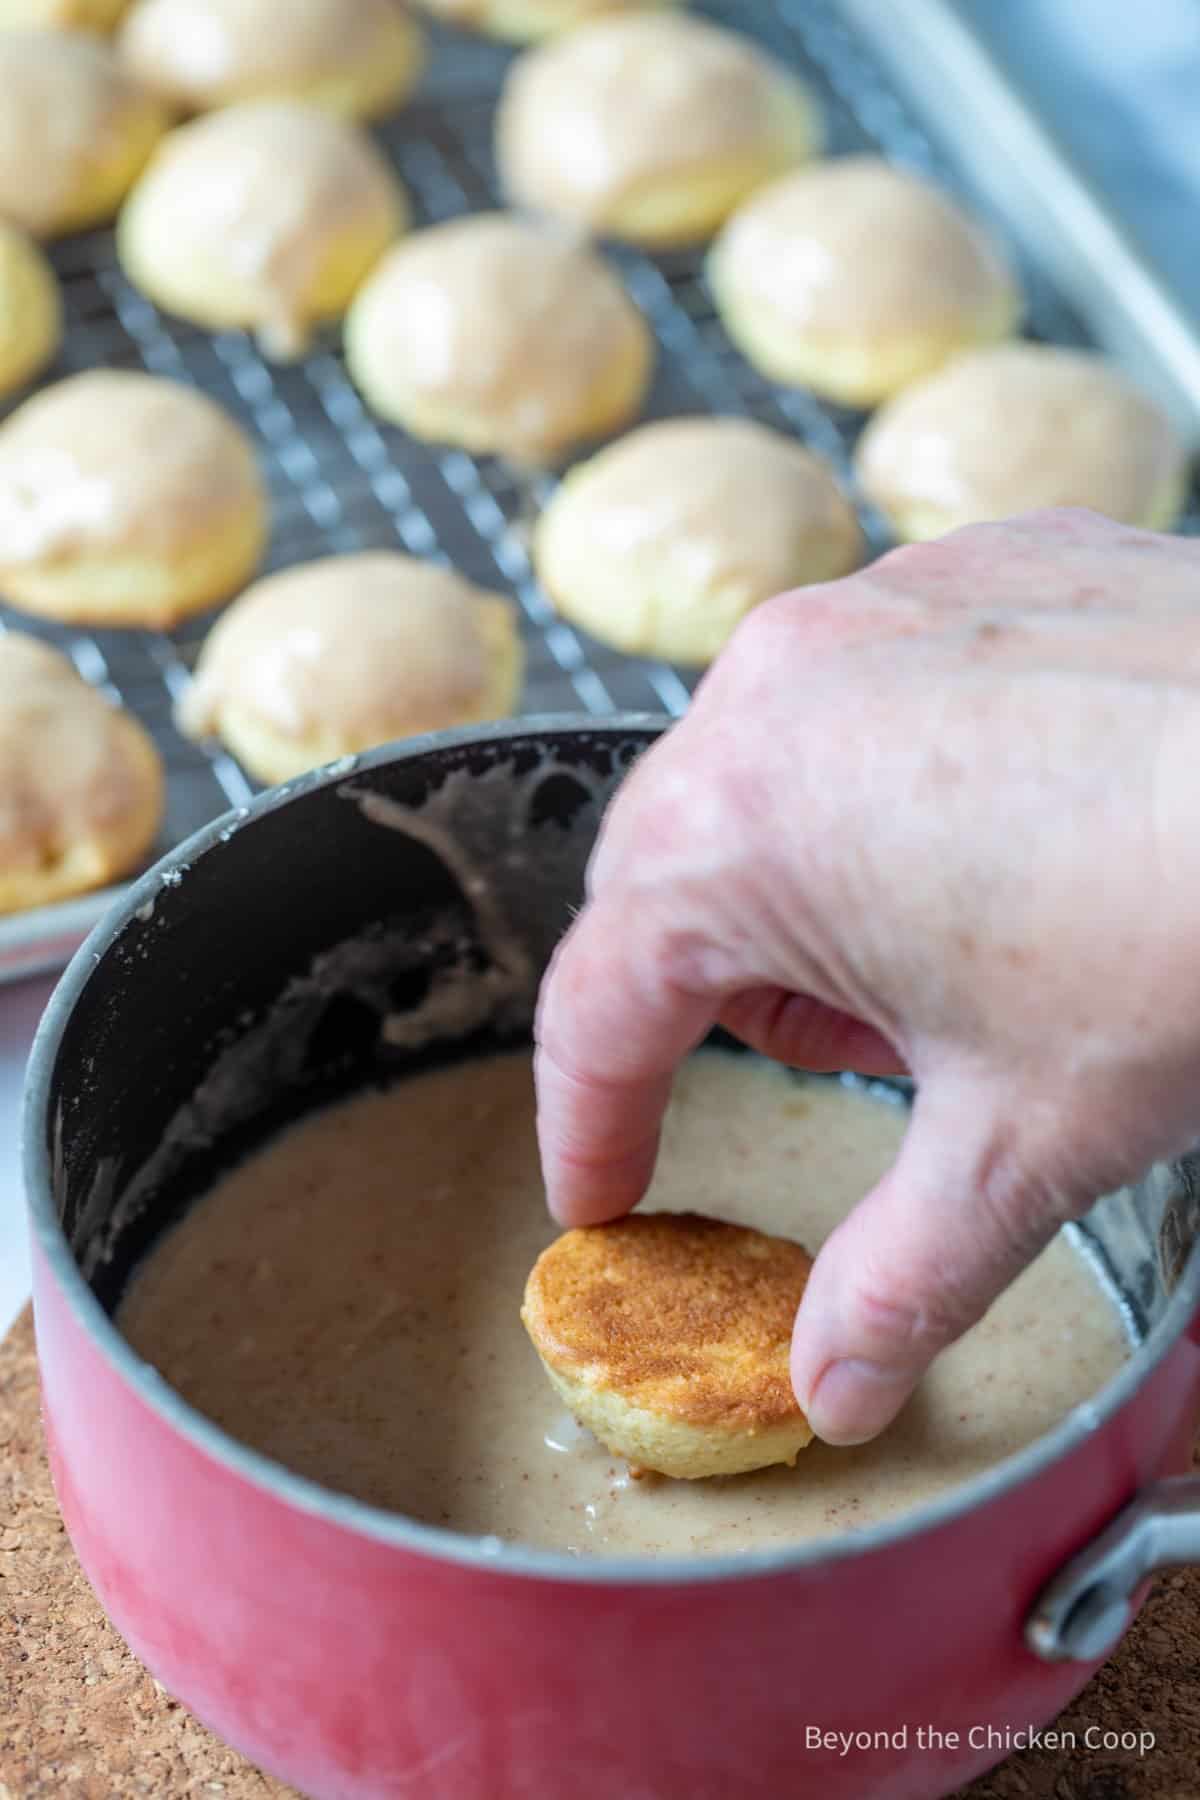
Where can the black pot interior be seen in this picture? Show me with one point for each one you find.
(296, 956)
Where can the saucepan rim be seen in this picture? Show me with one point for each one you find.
(485, 1555)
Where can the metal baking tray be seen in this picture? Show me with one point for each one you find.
(340, 480)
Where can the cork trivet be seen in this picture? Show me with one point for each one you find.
(80, 1719)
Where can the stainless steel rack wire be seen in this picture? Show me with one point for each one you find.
(340, 480)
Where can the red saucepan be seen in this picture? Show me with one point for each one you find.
(310, 943)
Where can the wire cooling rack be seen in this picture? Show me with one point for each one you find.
(341, 480)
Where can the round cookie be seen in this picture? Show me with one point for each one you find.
(30, 309)
(523, 21)
(854, 278)
(669, 1335)
(339, 655)
(357, 58)
(662, 542)
(499, 334)
(60, 15)
(75, 131)
(126, 499)
(81, 784)
(1017, 427)
(266, 216)
(650, 127)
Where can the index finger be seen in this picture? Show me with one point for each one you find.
(612, 1029)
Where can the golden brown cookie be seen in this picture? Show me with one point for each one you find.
(668, 1335)
(81, 784)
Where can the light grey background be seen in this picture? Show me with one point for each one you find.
(1119, 81)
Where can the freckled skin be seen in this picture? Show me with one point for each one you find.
(940, 815)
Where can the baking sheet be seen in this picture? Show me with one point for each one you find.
(342, 481)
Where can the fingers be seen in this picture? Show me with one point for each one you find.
(614, 1023)
(805, 1034)
(918, 1262)
(629, 994)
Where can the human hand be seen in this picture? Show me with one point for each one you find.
(941, 816)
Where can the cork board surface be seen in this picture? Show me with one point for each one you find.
(80, 1719)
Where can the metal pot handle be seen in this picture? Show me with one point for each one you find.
(1081, 1615)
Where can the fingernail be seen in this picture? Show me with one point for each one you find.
(854, 1399)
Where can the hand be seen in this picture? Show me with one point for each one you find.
(942, 816)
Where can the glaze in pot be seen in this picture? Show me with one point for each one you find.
(379, 916)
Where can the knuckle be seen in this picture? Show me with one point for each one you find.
(913, 561)
(914, 1319)
(632, 827)
(558, 1055)
(679, 822)
(1018, 1206)
(771, 630)
(683, 958)
(1073, 521)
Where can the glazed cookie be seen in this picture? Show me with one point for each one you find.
(668, 1335)
(854, 278)
(522, 21)
(126, 499)
(498, 334)
(75, 131)
(30, 309)
(60, 15)
(266, 216)
(359, 58)
(1020, 426)
(664, 541)
(81, 784)
(650, 127)
(339, 655)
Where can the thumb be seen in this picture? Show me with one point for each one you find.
(919, 1260)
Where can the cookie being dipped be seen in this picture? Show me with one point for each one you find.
(668, 1336)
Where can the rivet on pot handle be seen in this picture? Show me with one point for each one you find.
(1082, 1613)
